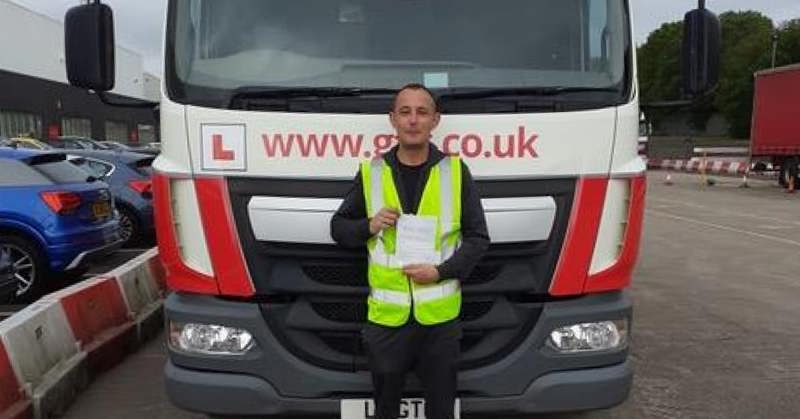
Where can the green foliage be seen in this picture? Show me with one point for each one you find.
(746, 48)
(789, 43)
(659, 61)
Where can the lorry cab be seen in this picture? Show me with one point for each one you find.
(267, 109)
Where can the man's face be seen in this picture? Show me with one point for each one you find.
(414, 117)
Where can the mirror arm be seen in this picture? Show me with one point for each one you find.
(108, 100)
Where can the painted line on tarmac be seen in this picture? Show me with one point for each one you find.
(722, 211)
(726, 228)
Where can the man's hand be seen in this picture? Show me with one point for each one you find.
(422, 274)
(385, 218)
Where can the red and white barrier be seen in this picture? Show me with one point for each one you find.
(51, 349)
(143, 292)
(14, 403)
(720, 167)
(45, 356)
(99, 319)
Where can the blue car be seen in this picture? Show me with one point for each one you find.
(8, 279)
(54, 218)
(128, 175)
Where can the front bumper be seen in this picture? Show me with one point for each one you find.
(221, 393)
(269, 380)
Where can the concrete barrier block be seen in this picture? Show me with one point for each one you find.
(141, 293)
(157, 271)
(14, 403)
(99, 319)
(45, 356)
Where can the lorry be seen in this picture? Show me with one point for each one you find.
(268, 107)
(775, 131)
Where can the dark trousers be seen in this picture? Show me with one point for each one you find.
(432, 352)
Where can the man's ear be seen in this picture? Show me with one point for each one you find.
(436, 118)
(392, 119)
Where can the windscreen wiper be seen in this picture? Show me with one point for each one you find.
(257, 92)
(481, 93)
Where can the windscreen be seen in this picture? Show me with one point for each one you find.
(216, 46)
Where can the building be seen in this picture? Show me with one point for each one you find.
(36, 99)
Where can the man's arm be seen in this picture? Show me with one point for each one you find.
(474, 233)
(349, 225)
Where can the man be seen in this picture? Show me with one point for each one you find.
(415, 190)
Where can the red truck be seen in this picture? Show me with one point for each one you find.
(775, 132)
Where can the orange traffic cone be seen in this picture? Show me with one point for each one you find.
(668, 179)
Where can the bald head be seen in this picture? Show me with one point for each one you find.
(416, 87)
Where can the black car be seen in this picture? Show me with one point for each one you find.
(8, 279)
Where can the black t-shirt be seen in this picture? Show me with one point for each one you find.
(410, 176)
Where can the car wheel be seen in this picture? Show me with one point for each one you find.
(129, 227)
(28, 266)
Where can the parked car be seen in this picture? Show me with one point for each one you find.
(128, 175)
(54, 218)
(77, 143)
(117, 146)
(24, 142)
(153, 146)
(8, 279)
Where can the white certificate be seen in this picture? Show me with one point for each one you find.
(416, 240)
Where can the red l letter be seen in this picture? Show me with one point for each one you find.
(219, 152)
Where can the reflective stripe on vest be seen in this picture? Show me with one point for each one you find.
(421, 295)
(392, 294)
(391, 297)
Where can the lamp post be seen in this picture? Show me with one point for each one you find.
(774, 47)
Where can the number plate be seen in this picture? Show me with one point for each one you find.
(409, 409)
(101, 209)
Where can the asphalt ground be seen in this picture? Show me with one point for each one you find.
(716, 326)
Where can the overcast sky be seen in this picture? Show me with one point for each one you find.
(139, 23)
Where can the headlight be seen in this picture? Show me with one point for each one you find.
(587, 337)
(209, 339)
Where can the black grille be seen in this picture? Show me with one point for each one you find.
(474, 310)
(483, 274)
(470, 339)
(341, 312)
(317, 292)
(356, 312)
(356, 274)
(344, 343)
(344, 275)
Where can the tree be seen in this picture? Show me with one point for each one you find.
(789, 43)
(659, 60)
(746, 48)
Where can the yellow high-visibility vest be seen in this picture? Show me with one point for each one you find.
(392, 293)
